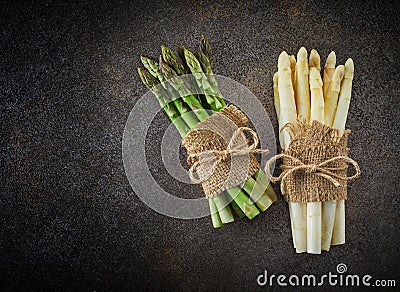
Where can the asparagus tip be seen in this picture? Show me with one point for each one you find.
(146, 78)
(349, 68)
(339, 72)
(302, 54)
(331, 60)
(186, 51)
(283, 60)
(349, 63)
(164, 50)
(315, 59)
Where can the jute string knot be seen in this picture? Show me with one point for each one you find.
(210, 158)
(311, 168)
(219, 154)
(320, 169)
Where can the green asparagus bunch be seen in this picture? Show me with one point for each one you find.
(186, 107)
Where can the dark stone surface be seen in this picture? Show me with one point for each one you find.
(68, 217)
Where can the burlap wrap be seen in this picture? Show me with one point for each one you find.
(220, 134)
(315, 164)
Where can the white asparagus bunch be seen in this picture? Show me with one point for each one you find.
(301, 93)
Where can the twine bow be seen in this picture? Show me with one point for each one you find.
(320, 169)
(213, 157)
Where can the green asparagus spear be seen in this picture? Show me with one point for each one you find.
(244, 202)
(212, 98)
(224, 210)
(172, 95)
(215, 218)
(170, 109)
(206, 49)
(236, 209)
(185, 94)
(204, 55)
(172, 60)
(257, 192)
(261, 177)
(192, 86)
(152, 66)
(181, 54)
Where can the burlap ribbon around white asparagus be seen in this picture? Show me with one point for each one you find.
(314, 164)
(219, 154)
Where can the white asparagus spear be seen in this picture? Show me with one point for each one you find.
(292, 59)
(314, 227)
(276, 96)
(329, 69)
(286, 96)
(298, 211)
(292, 224)
(332, 94)
(344, 97)
(314, 209)
(278, 108)
(339, 226)
(339, 236)
(328, 220)
(288, 114)
(302, 86)
(317, 98)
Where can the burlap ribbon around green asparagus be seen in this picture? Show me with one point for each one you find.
(315, 164)
(219, 154)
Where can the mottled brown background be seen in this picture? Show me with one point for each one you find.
(69, 219)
